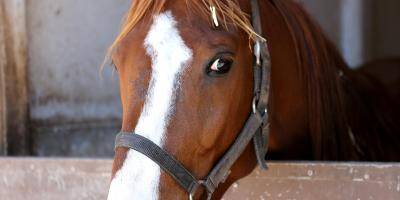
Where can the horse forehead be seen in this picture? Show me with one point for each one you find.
(164, 41)
(197, 30)
(176, 22)
(156, 32)
(192, 26)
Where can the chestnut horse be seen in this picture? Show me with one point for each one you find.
(187, 86)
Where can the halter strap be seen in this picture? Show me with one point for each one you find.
(168, 163)
(262, 73)
(256, 128)
(178, 172)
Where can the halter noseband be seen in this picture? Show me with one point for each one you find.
(256, 128)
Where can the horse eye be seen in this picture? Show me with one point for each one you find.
(219, 66)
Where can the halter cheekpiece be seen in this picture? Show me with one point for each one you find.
(256, 127)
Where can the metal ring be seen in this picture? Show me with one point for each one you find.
(257, 52)
(254, 106)
(200, 183)
(255, 111)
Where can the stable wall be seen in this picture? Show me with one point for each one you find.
(71, 106)
(73, 112)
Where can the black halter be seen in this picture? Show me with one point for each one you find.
(256, 128)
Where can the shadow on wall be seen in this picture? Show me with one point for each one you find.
(363, 30)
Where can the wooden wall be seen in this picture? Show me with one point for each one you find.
(65, 179)
(13, 79)
(3, 110)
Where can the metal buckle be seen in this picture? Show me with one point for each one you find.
(200, 183)
(257, 52)
(254, 106)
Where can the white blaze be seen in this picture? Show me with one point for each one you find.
(139, 176)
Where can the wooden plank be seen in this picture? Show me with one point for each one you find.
(15, 93)
(64, 179)
(3, 63)
(333, 181)
(49, 179)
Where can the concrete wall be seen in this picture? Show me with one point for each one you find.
(67, 44)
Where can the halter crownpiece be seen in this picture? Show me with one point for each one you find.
(256, 127)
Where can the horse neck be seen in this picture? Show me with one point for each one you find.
(344, 119)
(315, 75)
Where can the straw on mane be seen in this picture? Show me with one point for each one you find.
(228, 10)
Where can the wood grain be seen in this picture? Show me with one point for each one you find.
(86, 179)
(3, 63)
(14, 77)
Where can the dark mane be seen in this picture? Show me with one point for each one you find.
(347, 118)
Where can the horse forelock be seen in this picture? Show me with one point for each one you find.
(229, 13)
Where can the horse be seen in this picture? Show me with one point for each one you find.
(187, 80)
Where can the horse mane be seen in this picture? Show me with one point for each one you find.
(340, 127)
(227, 10)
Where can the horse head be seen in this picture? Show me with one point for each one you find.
(187, 86)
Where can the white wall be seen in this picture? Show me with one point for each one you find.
(67, 43)
(73, 112)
